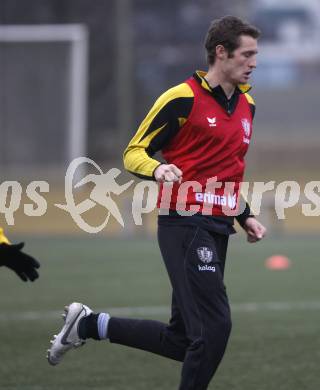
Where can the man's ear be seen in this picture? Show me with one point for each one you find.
(221, 52)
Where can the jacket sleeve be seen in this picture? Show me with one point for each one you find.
(3, 238)
(252, 104)
(247, 213)
(161, 124)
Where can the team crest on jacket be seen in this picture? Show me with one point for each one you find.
(246, 125)
(205, 254)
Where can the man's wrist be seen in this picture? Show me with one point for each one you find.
(242, 218)
(153, 174)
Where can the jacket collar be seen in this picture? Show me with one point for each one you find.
(199, 76)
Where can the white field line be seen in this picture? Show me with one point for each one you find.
(247, 307)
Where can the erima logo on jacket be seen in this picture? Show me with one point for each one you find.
(221, 200)
(212, 121)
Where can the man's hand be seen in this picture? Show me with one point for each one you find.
(167, 173)
(255, 230)
(22, 264)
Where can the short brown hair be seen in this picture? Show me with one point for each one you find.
(226, 32)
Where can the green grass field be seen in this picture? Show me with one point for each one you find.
(275, 343)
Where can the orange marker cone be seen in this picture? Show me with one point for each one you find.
(278, 262)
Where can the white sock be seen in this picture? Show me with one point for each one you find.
(103, 321)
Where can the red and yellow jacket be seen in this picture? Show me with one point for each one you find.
(200, 131)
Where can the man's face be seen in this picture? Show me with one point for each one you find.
(239, 66)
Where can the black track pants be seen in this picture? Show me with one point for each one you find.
(200, 324)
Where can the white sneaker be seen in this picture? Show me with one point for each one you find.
(68, 337)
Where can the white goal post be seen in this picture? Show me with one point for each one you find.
(77, 36)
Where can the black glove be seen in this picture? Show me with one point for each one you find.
(22, 264)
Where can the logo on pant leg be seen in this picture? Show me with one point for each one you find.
(206, 267)
(205, 254)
